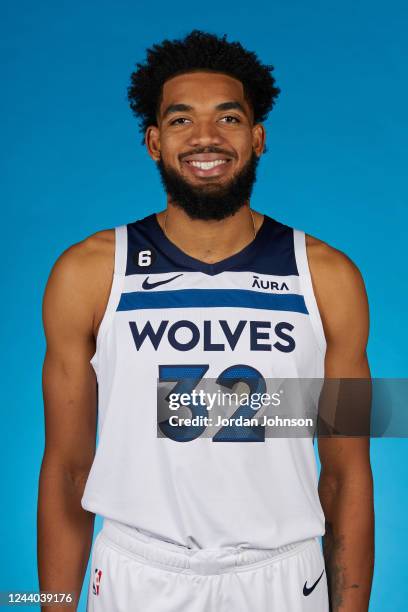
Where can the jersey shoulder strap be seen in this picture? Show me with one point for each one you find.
(305, 279)
(119, 270)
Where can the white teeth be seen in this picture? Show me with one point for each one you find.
(208, 164)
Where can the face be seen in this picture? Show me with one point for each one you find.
(206, 144)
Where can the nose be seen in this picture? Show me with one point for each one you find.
(204, 134)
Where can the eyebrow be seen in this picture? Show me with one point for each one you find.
(182, 108)
(233, 105)
(177, 108)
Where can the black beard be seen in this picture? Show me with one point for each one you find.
(210, 202)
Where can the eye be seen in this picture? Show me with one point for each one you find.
(179, 121)
(230, 119)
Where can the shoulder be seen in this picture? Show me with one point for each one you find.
(339, 287)
(331, 262)
(95, 247)
(81, 276)
(81, 261)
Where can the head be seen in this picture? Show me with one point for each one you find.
(201, 102)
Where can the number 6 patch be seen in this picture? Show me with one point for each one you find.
(144, 258)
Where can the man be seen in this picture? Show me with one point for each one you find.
(206, 289)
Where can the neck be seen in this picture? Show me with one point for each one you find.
(210, 241)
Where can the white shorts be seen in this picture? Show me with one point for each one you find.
(132, 572)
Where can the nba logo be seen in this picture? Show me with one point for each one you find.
(96, 581)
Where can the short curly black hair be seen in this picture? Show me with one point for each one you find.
(199, 50)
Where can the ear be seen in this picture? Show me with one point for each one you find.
(258, 139)
(152, 140)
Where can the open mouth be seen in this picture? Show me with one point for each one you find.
(209, 166)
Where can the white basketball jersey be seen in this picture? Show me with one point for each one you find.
(172, 319)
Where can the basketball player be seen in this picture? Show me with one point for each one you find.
(193, 522)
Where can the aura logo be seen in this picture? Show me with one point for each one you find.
(267, 284)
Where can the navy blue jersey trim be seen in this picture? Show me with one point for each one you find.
(203, 298)
(271, 252)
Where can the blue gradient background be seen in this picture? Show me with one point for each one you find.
(72, 164)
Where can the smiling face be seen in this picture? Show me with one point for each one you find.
(206, 143)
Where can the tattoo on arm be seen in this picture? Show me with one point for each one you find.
(333, 549)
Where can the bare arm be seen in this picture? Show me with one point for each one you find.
(345, 486)
(65, 529)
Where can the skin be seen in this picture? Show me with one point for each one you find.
(178, 137)
(71, 325)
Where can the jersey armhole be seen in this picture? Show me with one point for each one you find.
(305, 278)
(119, 272)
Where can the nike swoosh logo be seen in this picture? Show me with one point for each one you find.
(147, 285)
(307, 590)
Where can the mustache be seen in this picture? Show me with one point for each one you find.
(207, 150)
